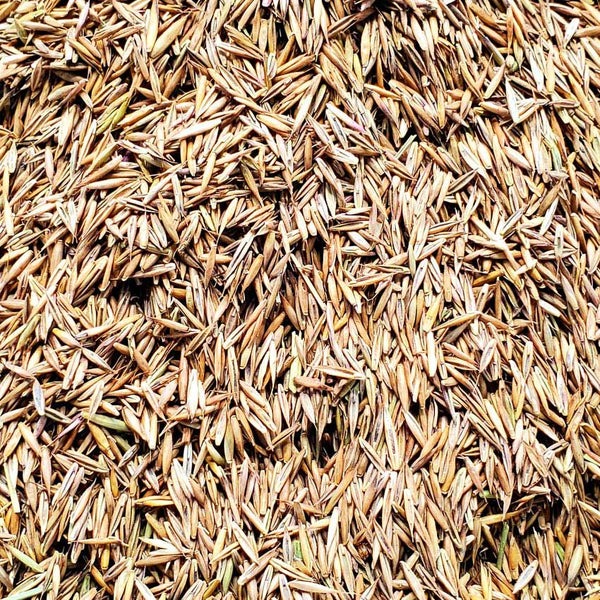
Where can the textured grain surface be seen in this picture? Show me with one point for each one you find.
(299, 299)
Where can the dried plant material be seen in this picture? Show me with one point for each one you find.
(299, 299)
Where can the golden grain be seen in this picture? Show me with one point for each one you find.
(299, 299)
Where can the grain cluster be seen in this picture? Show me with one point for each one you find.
(299, 299)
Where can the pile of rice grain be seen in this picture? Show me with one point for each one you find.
(299, 299)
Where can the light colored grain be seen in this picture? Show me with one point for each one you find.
(299, 299)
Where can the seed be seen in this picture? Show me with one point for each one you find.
(299, 299)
